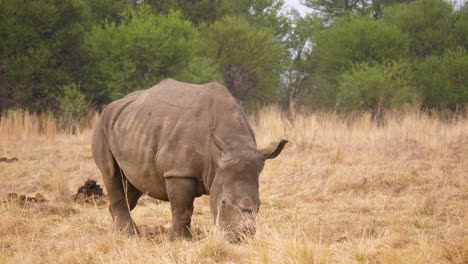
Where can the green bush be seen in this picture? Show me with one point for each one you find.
(200, 70)
(353, 40)
(39, 50)
(443, 80)
(459, 27)
(73, 107)
(376, 87)
(358, 39)
(426, 22)
(137, 54)
(248, 57)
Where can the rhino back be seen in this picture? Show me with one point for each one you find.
(165, 132)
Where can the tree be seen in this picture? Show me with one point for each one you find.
(301, 64)
(376, 87)
(329, 10)
(352, 40)
(197, 11)
(73, 108)
(142, 50)
(426, 22)
(39, 50)
(106, 10)
(263, 13)
(458, 24)
(443, 80)
(248, 57)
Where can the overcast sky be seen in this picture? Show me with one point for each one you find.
(296, 4)
(303, 10)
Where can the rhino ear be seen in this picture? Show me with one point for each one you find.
(273, 150)
(217, 141)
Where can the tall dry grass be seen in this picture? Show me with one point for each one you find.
(22, 125)
(342, 191)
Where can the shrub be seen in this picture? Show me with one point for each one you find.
(443, 80)
(73, 108)
(138, 53)
(376, 87)
(426, 24)
(355, 40)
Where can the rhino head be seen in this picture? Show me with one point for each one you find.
(234, 193)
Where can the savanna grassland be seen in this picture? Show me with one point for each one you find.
(343, 191)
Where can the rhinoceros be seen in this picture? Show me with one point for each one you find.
(177, 141)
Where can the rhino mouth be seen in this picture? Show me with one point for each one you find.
(239, 235)
(240, 232)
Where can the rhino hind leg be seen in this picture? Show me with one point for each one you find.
(123, 196)
(122, 200)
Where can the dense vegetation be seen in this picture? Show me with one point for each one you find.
(351, 55)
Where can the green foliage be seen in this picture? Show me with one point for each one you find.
(329, 10)
(353, 40)
(438, 43)
(263, 13)
(347, 52)
(195, 11)
(358, 39)
(301, 63)
(144, 49)
(425, 22)
(458, 23)
(73, 107)
(106, 10)
(200, 70)
(39, 49)
(376, 87)
(248, 58)
(443, 80)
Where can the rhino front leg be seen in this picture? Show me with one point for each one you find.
(181, 194)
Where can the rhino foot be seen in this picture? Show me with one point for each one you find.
(180, 234)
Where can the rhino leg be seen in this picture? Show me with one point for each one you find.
(181, 194)
(122, 199)
(123, 196)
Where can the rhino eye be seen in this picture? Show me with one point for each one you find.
(223, 202)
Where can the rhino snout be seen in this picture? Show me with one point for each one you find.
(241, 233)
(245, 228)
(249, 229)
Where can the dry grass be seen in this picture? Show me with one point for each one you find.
(341, 192)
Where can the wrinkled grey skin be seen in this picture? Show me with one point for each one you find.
(177, 141)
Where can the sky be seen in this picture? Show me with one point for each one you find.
(296, 4)
(304, 10)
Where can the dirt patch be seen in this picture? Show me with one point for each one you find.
(22, 199)
(90, 193)
(7, 160)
